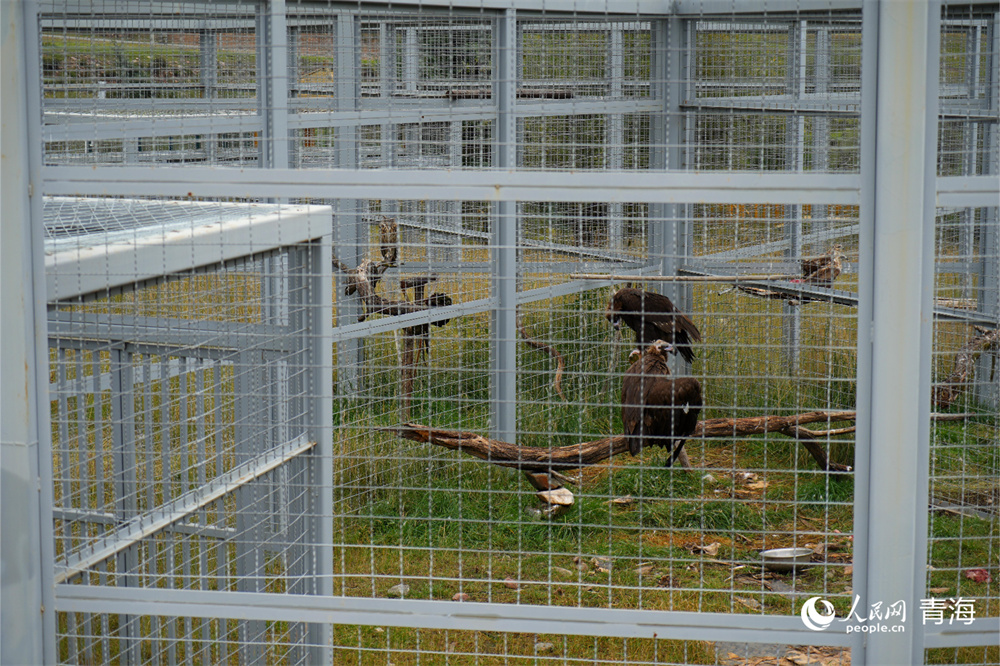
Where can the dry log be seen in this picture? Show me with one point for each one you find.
(538, 462)
(947, 391)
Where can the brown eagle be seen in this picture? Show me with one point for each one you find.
(824, 269)
(653, 317)
(657, 409)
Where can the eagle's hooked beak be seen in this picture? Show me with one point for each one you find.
(617, 323)
(664, 347)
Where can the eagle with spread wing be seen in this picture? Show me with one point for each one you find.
(657, 409)
(653, 317)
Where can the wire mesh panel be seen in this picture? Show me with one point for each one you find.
(182, 417)
(412, 326)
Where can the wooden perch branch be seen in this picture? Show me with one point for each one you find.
(947, 391)
(554, 353)
(537, 459)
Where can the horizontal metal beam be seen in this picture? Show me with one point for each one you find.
(981, 631)
(454, 615)
(185, 334)
(81, 516)
(968, 191)
(840, 297)
(771, 247)
(147, 524)
(394, 323)
(521, 185)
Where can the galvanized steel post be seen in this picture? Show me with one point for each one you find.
(26, 592)
(894, 429)
(503, 240)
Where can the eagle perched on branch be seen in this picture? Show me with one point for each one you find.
(653, 317)
(658, 410)
(824, 269)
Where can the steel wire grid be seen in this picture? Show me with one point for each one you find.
(187, 412)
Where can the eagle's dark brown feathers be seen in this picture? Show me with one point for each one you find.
(824, 269)
(653, 317)
(657, 409)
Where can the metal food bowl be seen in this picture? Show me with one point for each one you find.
(786, 559)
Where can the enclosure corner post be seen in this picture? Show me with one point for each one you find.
(26, 592)
(896, 287)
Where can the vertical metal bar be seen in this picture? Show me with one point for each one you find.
(149, 454)
(25, 447)
(320, 387)
(100, 478)
(988, 298)
(349, 232)
(896, 425)
(243, 384)
(123, 464)
(615, 128)
(272, 79)
(866, 281)
(66, 471)
(668, 236)
(411, 59)
(208, 59)
(791, 320)
(454, 208)
(166, 462)
(821, 123)
(503, 230)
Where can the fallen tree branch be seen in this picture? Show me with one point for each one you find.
(543, 460)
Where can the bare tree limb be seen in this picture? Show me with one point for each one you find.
(947, 391)
(553, 352)
(537, 461)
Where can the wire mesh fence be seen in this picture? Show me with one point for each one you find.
(325, 417)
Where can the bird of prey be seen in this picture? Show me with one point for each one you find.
(824, 269)
(653, 317)
(657, 409)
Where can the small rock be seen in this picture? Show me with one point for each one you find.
(542, 648)
(559, 496)
(708, 478)
(400, 590)
(580, 565)
(460, 596)
(644, 569)
(511, 583)
(564, 572)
